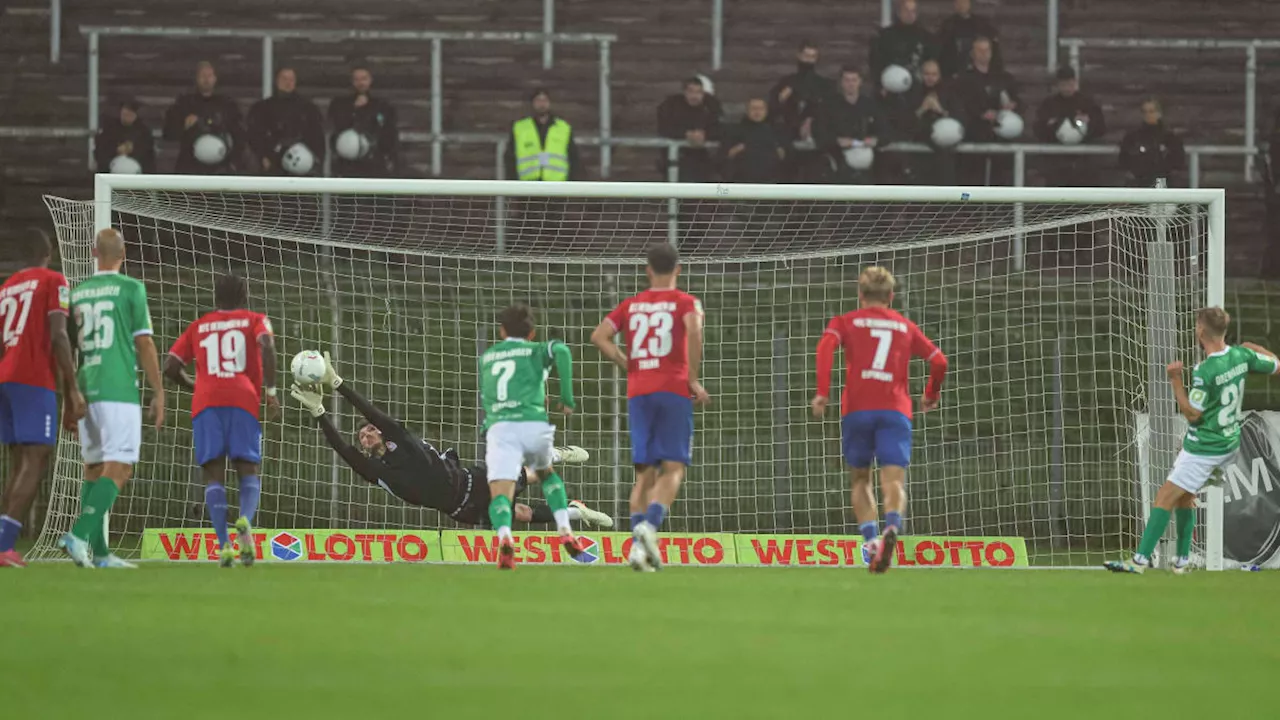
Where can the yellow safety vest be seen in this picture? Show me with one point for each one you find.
(536, 162)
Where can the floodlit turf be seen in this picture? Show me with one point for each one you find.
(470, 642)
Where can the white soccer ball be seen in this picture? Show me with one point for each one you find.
(859, 158)
(209, 149)
(308, 367)
(1009, 125)
(298, 160)
(125, 165)
(1072, 131)
(947, 132)
(896, 79)
(708, 86)
(351, 145)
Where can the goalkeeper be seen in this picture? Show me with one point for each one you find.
(418, 474)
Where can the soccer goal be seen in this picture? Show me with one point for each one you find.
(1059, 309)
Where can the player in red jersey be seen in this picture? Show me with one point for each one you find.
(33, 345)
(235, 355)
(875, 408)
(662, 328)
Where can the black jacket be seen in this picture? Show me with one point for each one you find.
(979, 92)
(955, 40)
(112, 134)
(905, 45)
(1057, 108)
(281, 120)
(907, 121)
(217, 115)
(808, 91)
(839, 118)
(760, 161)
(677, 117)
(1151, 152)
(375, 120)
(509, 156)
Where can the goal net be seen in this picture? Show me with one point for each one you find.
(1058, 310)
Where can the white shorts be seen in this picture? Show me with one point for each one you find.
(510, 446)
(111, 432)
(1192, 472)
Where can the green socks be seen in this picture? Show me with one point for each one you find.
(557, 500)
(96, 539)
(96, 503)
(500, 513)
(1156, 524)
(1185, 521)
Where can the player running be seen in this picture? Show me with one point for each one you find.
(1212, 410)
(875, 425)
(412, 470)
(513, 392)
(663, 328)
(35, 358)
(113, 336)
(235, 354)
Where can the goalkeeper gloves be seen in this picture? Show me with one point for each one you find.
(330, 379)
(310, 399)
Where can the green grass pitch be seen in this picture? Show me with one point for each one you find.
(469, 642)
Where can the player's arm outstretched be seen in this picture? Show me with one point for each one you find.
(313, 401)
(390, 428)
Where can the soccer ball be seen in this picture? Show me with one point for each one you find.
(308, 367)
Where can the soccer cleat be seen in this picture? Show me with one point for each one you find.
(506, 555)
(571, 544)
(571, 455)
(244, 536)
(869, 548)
(884, 551)
(591, 517)
(114, 563)
(227, 557)
(1126, 566)
(13, 559)
(637, 558)
(1181, 566)
(647, 537)
(76, 549)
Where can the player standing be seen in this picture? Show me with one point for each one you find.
(235, 355)
(1212, 410)
(662, 326)
(113, 333)
(33, 345)
(513, 391)
(875, 408)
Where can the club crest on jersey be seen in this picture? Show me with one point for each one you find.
(286, 546)
(64, 297)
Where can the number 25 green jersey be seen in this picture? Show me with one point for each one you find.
(513, 379)
(109, 310)
(1217, 389)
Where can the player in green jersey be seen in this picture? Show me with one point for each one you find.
(1212, 410)
(513, 392)
(113, 335)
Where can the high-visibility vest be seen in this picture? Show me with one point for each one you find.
(534, 161)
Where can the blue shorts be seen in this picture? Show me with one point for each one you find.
(661, 428)
(28, 415)
(227, 432)
(880, 435)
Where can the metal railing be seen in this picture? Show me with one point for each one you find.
(437, 40)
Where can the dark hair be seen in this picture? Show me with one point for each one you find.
(517, 320)
(36, 247)
(982, 38)
(694, 80)
(851, 69)
(1066, 72)
(806, 44)
(663, 258)
(539, 91)
(230, 292)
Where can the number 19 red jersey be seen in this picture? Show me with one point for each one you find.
(657, 346)
(878, 346)
(224, 346)
(26, 301)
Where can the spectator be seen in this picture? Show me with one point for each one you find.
(373, 149)
(847, 122)
(281, 121)
(931, 101)
(1069, 105)
(983, 92)
(793, 104)
(693, 116)
(125, 135)
(906, 42)
(541, 146)
(1151, 152)
(956, 36)
(753, 149)
(209, 119)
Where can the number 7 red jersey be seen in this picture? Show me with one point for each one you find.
(224, 346)
(878, 346)
(657, 345)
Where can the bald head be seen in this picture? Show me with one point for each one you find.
(108, 247)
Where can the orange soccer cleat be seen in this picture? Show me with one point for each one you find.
(506, 555)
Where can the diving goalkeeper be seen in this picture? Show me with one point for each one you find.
(418, 474)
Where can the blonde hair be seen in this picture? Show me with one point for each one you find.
(1215, 321)
(876, 284)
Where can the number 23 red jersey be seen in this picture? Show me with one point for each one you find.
(655, 339)
(224, 346)
(878, 346)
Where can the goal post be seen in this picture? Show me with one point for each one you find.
(1054, 305)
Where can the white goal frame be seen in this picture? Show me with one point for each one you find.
(1212, 199)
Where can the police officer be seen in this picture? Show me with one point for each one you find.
(278, 123)
(125, 135)
(541, 146)
(209, 120)
(372, 149)
(1151, 152)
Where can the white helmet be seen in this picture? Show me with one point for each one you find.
(351, 145)
(896, 79)
(125, 165)
(1072, 131)
(1009, 125)
(210, 149)
(947, 132)
(298, 159)
(860, 157)
(707, 86)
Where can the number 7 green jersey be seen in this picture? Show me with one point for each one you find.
(1217, 389)
(109, 310)
(513, 379)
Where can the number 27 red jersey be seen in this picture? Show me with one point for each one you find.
(878, 346)
(224, 346)
(656, 342)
